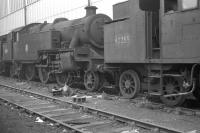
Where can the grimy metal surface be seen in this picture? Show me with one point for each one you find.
(124, 41)
(73, 119)
(29, 44)
(180, 34)
(0, 50)
(7, 49)
(121, 10)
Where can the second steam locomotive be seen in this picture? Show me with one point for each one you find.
(64, 50)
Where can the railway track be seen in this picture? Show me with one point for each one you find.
(150, 104)
(141, 101)
(144, 103)
(75, 117)
(161, 107)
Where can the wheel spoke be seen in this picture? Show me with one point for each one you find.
(172, 85)
(43, 75)
(61, 78)
(91, 80)
(123, 80)
(129, 84)
(29, 72)
(126, 77)
(126, 90)
(131, 90)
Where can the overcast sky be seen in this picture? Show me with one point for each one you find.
(49, 10)
(72, 9)
(105, 6)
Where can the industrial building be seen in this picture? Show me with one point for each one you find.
(17, 13)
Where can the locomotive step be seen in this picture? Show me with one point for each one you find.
(155, 76)
(155, 94)
(172, 75)
(164, 75)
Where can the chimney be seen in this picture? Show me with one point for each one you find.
(90, 10)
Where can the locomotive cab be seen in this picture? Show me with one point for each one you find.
(178, 23)
(179, 40)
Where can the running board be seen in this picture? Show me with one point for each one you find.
(164, 75)
(155, 94)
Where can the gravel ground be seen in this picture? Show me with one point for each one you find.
(126, 108)
(12, 121)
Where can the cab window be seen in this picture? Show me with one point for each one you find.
(189, 4)
(171, 6)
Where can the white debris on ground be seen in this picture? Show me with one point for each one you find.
(65, 88)
(106, 96)
(85, 116)
(50, 124)
(131, 131)
(99, 96)
(20, 83)
(74, 96)
(67, 91)
(194, 131)
(64, 131)
(88, 97)
(39, 120)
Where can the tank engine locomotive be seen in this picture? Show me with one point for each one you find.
(153, 46)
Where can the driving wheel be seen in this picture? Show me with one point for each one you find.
(129, 84)
(12, 71)
(61, 78)
(172, 85)
(91, 80)
(43, 75)
(30, 72)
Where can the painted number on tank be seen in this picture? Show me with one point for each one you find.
(122, 39)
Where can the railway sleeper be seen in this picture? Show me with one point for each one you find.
(103, 124)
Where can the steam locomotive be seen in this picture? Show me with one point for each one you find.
(62, 50)
(153, 46)
(150, 46)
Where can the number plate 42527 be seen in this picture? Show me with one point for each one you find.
(122, 39)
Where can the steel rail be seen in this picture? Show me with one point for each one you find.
(121, 118)
(39, 114)
(182, 110)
